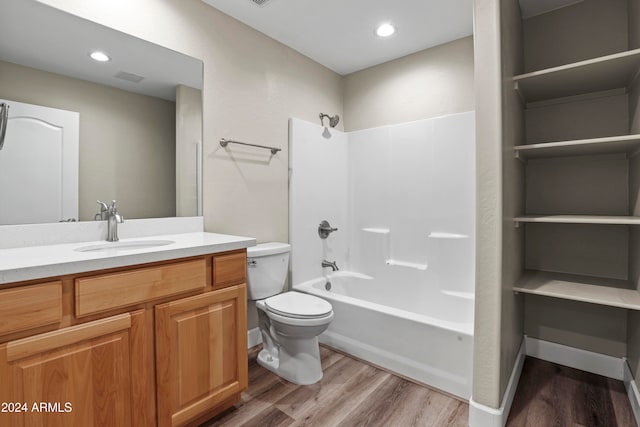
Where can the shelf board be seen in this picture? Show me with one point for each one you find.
(579, 219)
(580, 147)
(611, 292)
(593, 75)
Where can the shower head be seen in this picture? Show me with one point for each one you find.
(333, 120)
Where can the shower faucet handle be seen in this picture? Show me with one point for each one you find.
(324, 229)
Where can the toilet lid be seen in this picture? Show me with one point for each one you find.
(298, 305)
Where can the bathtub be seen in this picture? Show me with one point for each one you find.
(426, 335)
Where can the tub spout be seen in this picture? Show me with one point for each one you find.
(333, 265)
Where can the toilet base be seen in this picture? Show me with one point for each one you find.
(297, 361)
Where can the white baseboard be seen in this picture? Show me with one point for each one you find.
(596, 363)
(632, 391)
(253, 337)
(485, 416)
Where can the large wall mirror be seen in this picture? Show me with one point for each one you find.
(78, 130)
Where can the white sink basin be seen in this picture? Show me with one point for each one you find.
(132, 245)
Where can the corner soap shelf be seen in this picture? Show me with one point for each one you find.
(593, 75)
(610, 292)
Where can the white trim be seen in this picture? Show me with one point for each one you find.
(596, 363)
(485, 416)
(632, 391)
(254, 337)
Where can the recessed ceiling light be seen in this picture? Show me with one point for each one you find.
(99, 56)
(385, 30)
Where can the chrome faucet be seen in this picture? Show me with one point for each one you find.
(333, 265)
(113, 218)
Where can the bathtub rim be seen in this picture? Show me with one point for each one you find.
(307, 287)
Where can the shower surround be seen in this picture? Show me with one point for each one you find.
(403, 200)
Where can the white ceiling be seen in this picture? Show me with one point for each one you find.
(38, 36)
(339, 34)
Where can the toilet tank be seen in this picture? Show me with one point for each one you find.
(267, 267)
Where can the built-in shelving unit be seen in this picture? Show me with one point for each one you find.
(579, 219)
(628, 144)
(611, 292)
(593, 75)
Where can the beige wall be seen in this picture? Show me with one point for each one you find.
(126, 140)
(188, 136)
(252, 85)
(430, 83)
(513, 200)
(488, 98)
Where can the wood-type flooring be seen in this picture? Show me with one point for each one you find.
(353, 393)
(555, 395)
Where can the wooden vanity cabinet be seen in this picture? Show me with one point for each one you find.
(85, 375)
(201, 354)
(96, 364)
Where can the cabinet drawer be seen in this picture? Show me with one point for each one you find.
(229, 269)
(110, 291)
(30, 307)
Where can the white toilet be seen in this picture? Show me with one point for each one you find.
(289, 322)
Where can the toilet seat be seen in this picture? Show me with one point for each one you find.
(297, 305)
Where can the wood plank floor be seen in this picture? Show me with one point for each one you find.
(351, 393)
(554, 395)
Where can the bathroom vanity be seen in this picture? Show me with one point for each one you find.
(128, 335)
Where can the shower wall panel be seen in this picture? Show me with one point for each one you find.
(401, 196)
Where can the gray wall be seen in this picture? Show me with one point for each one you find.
(127, 141)
(585, 30)
(633, 317)
(634, 24)
(426, 84)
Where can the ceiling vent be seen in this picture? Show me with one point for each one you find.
(130, 77)
(260, 2)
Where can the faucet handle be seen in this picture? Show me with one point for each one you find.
(103, 205)
(324, 229)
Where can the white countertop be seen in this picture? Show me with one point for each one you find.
(37, 262)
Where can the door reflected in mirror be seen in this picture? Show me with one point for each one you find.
(138, 130)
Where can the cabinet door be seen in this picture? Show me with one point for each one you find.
(201, 353)
(85, 375)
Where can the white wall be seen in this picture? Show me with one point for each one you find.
(403, 199)
(318, 190)
(415, 180)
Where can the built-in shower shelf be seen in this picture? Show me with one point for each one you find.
(376, 230)
(578, 219)
(611, 292)
(440, 235)
(414, 265)
(628, 144)
(593, 75)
